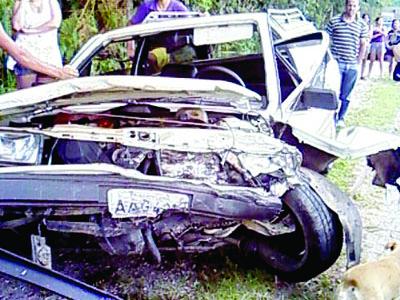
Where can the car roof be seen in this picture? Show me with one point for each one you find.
(126, 33)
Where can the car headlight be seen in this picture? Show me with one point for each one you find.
(20, 148)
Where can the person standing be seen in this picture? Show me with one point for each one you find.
(149, 6)
(36, 24)
(348, 35)
(367, 21)
(393, 38)
(377, 46)
(27, 60)
(396, 54)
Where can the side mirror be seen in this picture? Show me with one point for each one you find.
(319, 98)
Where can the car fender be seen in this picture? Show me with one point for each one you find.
(346, 210)
(349, 142)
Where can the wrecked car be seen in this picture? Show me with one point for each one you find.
(145, 165)
(279, 55)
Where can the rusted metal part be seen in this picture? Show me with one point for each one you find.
(89, 228)
(268, 228)
(17, 222)
(155, 252)
(25, 270)
(78, 211)
(198, 249)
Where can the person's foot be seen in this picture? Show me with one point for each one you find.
(363, 78)
(340, 124)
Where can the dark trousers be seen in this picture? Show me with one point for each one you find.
(396, 72)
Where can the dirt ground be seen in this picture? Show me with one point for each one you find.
(380, 220)
(379, 207)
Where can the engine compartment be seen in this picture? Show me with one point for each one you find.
(217, 167)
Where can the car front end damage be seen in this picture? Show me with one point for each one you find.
(148, 166)
(218, 173)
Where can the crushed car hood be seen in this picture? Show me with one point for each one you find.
(64, 93)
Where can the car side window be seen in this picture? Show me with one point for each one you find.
(238, 48)
(111, 60)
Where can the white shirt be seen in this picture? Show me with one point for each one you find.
(42, 45)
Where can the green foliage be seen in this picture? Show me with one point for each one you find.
(76, 30)
(111, 14)
(7, 82)
(82, 23)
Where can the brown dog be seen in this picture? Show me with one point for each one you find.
(377, 280)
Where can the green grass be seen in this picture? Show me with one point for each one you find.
(377, 110)
(236, 284)
(381, 106)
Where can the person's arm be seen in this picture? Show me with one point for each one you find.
(388, 40)
(363, 43)
(137, 18)
(180, 7)
(362, 49)
(53, 23)
(376, 35)
(131, 47)
(27, 60)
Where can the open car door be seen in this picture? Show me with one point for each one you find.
(309, 83)
(287, 23)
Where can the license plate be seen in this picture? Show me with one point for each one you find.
(128, 203)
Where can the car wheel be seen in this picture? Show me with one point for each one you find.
(309, 250)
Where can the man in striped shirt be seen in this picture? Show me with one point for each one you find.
(349, 35)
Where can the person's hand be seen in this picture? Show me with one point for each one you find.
(131, 52)
(69, 72)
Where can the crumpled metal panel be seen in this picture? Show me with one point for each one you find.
(134, 87)
(258, 152)
(349, 142)
(189, 165)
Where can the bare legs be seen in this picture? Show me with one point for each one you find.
(376, 54)
(25, 81)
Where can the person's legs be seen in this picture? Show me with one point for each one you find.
(390, 65)
(372, 58)
(349, 78)
(25, 77)
(363, 67)
(364, 61)
(380, 55)
(26, 81)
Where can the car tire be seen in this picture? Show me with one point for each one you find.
(311, 249)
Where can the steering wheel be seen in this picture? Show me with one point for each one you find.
(219, 73)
